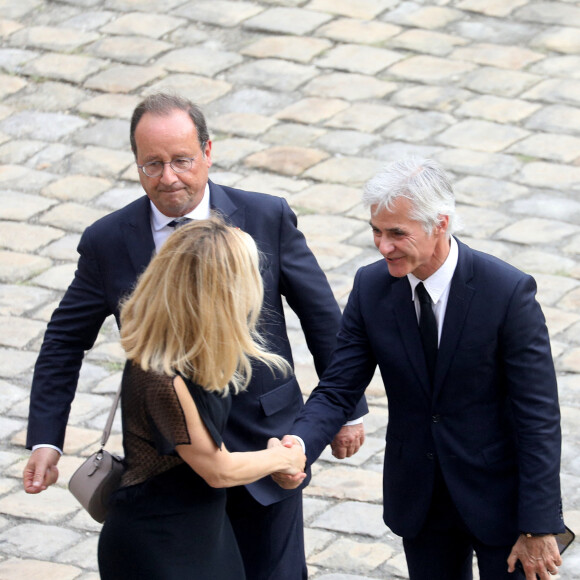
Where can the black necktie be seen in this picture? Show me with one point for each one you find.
(428, 329)
(178, 222)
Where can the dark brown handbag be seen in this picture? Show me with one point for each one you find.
(100, 475)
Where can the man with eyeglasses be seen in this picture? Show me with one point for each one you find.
(170, 140)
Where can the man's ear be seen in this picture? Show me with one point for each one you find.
(443, 224)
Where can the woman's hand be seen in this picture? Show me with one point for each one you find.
(292, 476)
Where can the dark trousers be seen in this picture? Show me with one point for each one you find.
(444, 548)
(271, 538)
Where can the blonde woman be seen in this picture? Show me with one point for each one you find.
(189, 331)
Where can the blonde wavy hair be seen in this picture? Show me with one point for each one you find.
(195, 309)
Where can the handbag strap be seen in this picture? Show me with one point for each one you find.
(109, 424)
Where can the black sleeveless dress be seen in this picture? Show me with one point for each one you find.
(166, 522)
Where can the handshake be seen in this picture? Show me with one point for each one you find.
(294, 475)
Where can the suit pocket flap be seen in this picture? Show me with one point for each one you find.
(281, 397)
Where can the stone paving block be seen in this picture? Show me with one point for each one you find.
(535, 261)
(562, 148)
(499, 8)
(129, 49)
(330, 228)
(500, 56)
(297, 21)
(124, 78)
(56, 278)
(395, 150)
(89, 19)
(100, 161)
(250, 100)
(350, 171)
(115, 106)
(481, 136)
(322, 197)
(537, 230)
(427, 41)
(52, 38)
(8, 27)
(348, 86)
(485, 192)
(552, 288)
(353, 518)
(351, 556)
(498, 109)
(49, 96)
(51, 158)
(430, 69)
(552, 175)
(71, 216)
(10, 84)
(63, 249)
(332, 255)
(119, 197)
(19, 151)
(362, 9)
(499, 82)
(364, 117)
(567, 66)
(560, 39)
(570, 362)
(20, 237)
(41, 126)
(573, 245)
(108, 133)
(220, 12)
(287, 47)
(142, 5)
(18, 332)
(494, 165)
(556, 91)
(9, 426)
(315, 540)
(418, 126)
(199, 89)
(550, 13)
(430, 17)
(347, 142)
(30, 568)
(347, 483)
(273, 184)
(443, 99)
(200, 60)
(276, 74)
(18, 299)
(358, 31)
(286, 160)
(228, 152)
(12, 59)
(556, 119)
(243, 124)
(64, 67)
(29, 540)
(312, 110)
(83, 554)
(16, 267)
(15, 362)
(481, 222)
(357, 58)
(138, 23)
(293, 134)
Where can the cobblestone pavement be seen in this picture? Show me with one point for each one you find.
(305, 99)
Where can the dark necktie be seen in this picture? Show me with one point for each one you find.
(178, 222)
(428, 328)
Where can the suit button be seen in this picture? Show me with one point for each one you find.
(436, 418)
(430, 456)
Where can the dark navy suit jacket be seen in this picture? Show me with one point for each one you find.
(117, 248)
(492, 417)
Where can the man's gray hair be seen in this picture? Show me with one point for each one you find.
(423, 182)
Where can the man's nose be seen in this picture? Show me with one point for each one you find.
(168, 175)
(385, 246)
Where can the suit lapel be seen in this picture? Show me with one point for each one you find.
(406, 317)
(220, 201)
(136, 229)
(460, 296)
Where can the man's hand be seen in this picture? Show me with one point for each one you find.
(348, 440)
(283, 480)
(538, 555)
(41, 470)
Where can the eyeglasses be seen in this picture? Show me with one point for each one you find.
(179, 165)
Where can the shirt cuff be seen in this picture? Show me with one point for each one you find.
(354, 421)
(301, 441)
(35, 447)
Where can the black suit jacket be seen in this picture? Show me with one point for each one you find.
(117, 248)
(491, 419)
